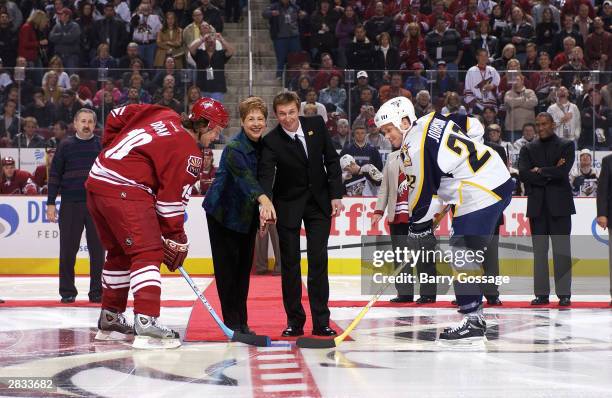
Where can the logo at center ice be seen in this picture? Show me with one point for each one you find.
(9, 220)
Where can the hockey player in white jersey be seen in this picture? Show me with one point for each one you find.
(444, 164)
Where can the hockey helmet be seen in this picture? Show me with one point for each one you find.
(345, 161)
(211, 110)
(393, 111)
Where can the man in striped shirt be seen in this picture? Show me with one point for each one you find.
(69, 170)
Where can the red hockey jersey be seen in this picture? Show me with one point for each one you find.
(21, 183)
(148, 154)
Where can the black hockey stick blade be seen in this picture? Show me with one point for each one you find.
(252, 339)
(309, 342)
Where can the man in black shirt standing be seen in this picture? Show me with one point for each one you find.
(210, 63)
(69, 170)
(544, 166)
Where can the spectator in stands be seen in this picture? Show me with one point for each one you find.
(107, 104)
(417, 81)
(412, 48)
(66, 39)
(131, 54)
(68, 107)
(467, 24)
(146, 26)
(481, 82)
(112, 31)
(33, 39)
(546, 30)
(363, 108)
(14, 181)
(304, 85)
(520, 108)
(437, 11)
(323, 23)
(485, 40)
(443, 82)
(575, 70)
(378, 23)
(131, 96)
(169, 101)
(513, 69)
(497, 21)
(528, 134)
(207, 174)
(109, 86)
(14, 12)
(489, 117)
(567, 30)
(284, 31)
(169, 42)
(309, 110)
(28, 138)
(345, 28)
(169, 82)
(362, 152)
(386, 59)
(333, 94)
(342, 139)
(595, 118)
(494, 135)
(452, 104)
(58, 132)
(137, 82)
(311, 98)
(408, 14)
(211, 64)
(569, 43)
(192, 32)
(598, 47)
(423, 105)
(519, 32)
(304, 71)
(393, 89)
(360, 51)
(359, 180)
(583, 22)
(507, 53)
(583, 177)
(605, 12)
(566, 116)
(327, 69)
(40, 109)
(375, 138)
(543, 81)
(444, 43)
(363, 82)
(85, 19)
(212, 15)
(8, 39)
(103, 58)
(41, 174)
(531, 60)
(9, 121)
(539, 10)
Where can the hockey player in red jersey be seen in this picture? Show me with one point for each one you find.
(14, 181)
(137, 191)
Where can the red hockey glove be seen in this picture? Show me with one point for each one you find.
(175, 252)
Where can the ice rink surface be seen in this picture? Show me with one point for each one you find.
(529, 353)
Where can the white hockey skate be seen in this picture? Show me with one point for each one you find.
(113, 326)
(469, 335)
(151, 336)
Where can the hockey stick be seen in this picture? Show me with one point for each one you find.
(311, 342)
(256, 340)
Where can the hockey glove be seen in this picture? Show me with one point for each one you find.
(421, 236)
(175, 252)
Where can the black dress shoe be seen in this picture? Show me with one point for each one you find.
(324, 331)
(565, 302)
(292, 331)
(244, 329)
(95, 299)
(402, 299)
(2, 301)
(68, 300)
(454, 302)
(540, 300)
(426, 300)
(493, 301)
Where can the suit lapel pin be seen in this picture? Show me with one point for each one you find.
(310, 132)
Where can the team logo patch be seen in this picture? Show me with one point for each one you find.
(194, 165)
(405, 156)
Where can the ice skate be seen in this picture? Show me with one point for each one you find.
(150, 335)
(468, 335)
(113, 326)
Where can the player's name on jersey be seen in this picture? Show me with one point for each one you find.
(436, 128)
(422, 277)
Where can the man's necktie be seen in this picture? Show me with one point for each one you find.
(299, 146)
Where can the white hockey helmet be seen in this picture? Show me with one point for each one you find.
(346, 161)
(393, 111)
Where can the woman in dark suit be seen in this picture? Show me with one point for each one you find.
(232, 213)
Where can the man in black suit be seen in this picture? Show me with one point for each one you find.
(300, 170)
(604, 201)
(544, 166)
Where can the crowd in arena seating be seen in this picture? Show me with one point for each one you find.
(58, 56)
(501, 61)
